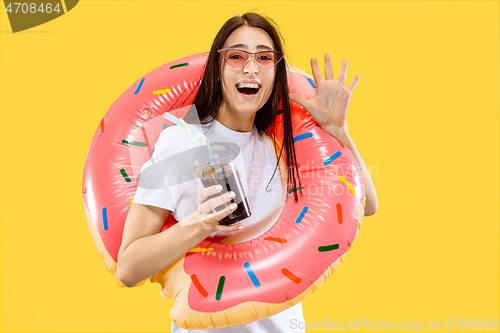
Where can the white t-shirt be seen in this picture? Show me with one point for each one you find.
(256, 161)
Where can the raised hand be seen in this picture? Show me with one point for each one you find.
(329, 106)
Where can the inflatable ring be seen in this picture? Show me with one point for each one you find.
(218, 285)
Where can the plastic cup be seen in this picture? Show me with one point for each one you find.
(226, 176)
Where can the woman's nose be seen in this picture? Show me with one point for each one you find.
(251, 67)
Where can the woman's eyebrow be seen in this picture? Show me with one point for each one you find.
(244, 46)
(241, 46)
(264, 47)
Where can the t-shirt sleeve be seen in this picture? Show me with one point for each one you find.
(153, 187)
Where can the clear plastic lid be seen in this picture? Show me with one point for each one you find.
(221, 154)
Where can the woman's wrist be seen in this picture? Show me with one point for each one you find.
(339, 133)
(194, 220)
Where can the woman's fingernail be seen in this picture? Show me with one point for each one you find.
(240, 227)
(231, 194)
(218, 187)
(233, 206)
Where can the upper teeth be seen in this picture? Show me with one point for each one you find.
(248, 85)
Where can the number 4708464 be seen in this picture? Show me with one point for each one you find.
(470, 324)
(32, 8)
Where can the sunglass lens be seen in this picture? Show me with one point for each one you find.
(266, 60)
(235, 58)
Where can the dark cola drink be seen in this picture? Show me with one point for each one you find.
(230, 181)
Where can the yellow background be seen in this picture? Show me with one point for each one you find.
(424, 117)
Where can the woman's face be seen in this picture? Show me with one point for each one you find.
(239, 101)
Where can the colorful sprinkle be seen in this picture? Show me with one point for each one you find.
(198, 285)
(339, 213)
(302, 137)
(201, 249)
(165, 126)
(252, 275)
(124, 174)
(311, 83)
(290, 275)
(328, 248)
(280, 111)
(339, 143)
(102, 126)
(276, 142)
(207, 54)
(139, 86)
(219, 287)
(301, 215)
(331, 158)
(274, 239)
(179, 65)
(146, 139)
(348, 184)
(131, 202)
(134, 143)
(148, 112)
(295, 189)
(104, 219)
(162, 91)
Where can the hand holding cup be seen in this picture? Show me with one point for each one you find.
(208, 215)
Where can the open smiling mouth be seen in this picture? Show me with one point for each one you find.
(248, 88)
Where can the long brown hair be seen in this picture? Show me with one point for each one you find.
(209, 97)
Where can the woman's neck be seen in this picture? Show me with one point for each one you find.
(238, 123)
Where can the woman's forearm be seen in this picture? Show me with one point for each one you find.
(148, 256)
(370, 193)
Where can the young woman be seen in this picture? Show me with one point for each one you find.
(243, 83)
